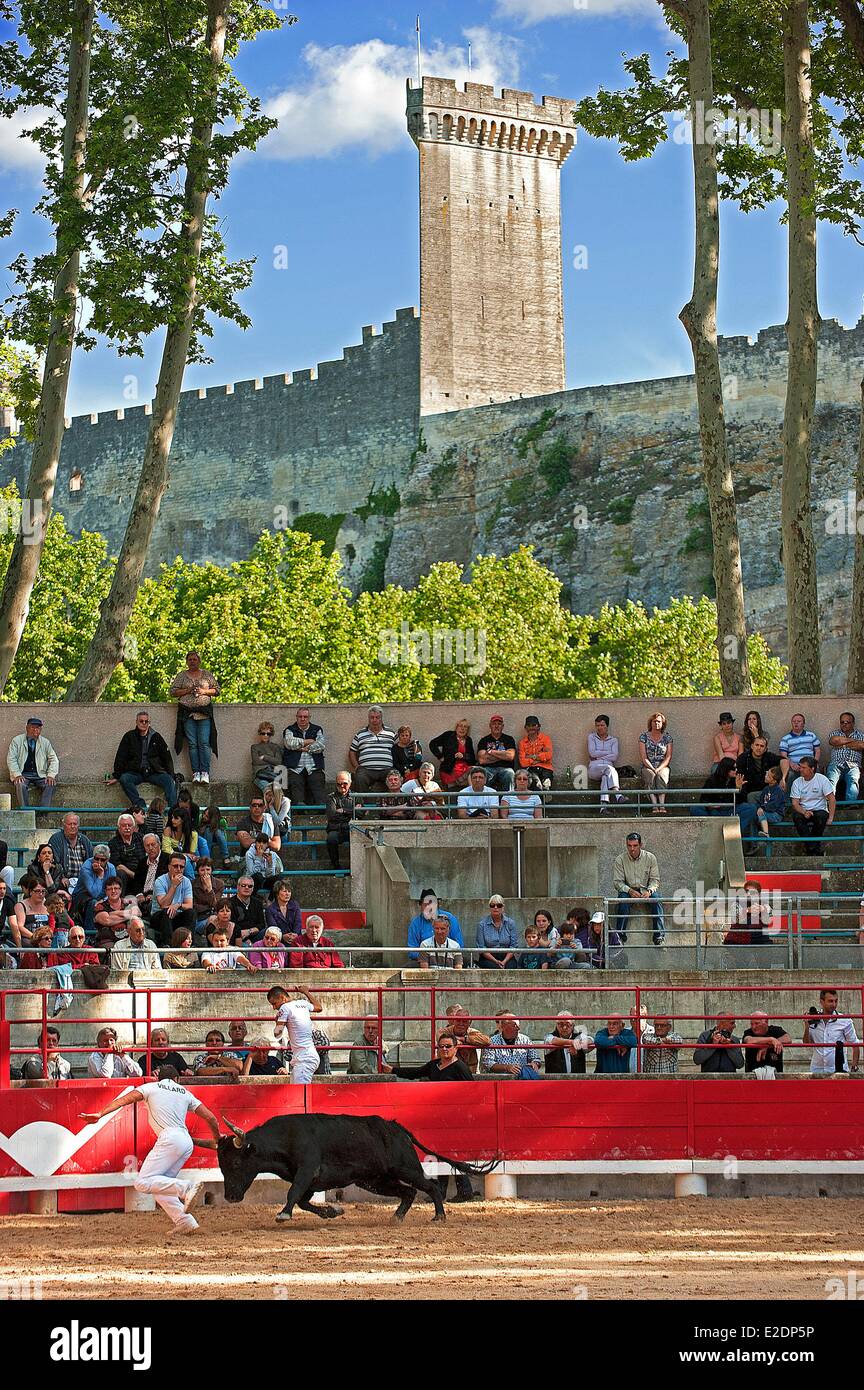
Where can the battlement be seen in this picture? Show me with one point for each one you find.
(834, 339)
(439, 110)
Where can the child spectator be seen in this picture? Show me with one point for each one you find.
(535, 955)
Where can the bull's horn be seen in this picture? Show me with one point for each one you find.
(239, 1134)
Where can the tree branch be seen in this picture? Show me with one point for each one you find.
(851, 17)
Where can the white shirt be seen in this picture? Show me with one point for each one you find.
(295, 1017)
(112, 1064)
(443, 956)
(812, 794)
(167, 1104)
(831, 1029)
(478, 801)
(222, 960)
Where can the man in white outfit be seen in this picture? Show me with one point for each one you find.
(294, 1017)
(168, 1104)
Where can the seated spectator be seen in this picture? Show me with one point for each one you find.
(546, 928)
(303, 757)
(753, 729)
(535, 754)
(446, 1066)
(769, 809)
(283, 911)
(496, 754)
(269, 953)
(257, 822)
(263, 864)
(171, 906)
(420, 926)
(510, 1052)
(189, 807)
(161, 1055)
(180, 957)
(813, 805)
(278, 807)
(603, 754)
(424, 793)
(394, 806)
(75, 952)
(454, 750)
(723, 778)
(535, 956)
(261, 1062)
(44, 870)
(93, 878)
(340, 813)
(613, 1044)
(469, 1039)
(763, 1043)
(36, 957)
(370, 756)
(154, 821)
(266, 756)
(440, 951)
(659, 1052)
(752, 767)
(314, 950)
(109, 1059)
(32, 911)
(237, 1049)
(9, 915)
(844, 765)
(478, 800)
(135, 952)
(568, 953)
(143, 756)
(636, 877)
(205, 896)
(751, 914)
(363, 1057)
(154, 865)
(179, 837)
(7, 873)
(407, 753)
(222, 921)
(219, 957)
(58, 1067)
(126, 849)
(496, 938)
(718, 1049)
(32, 762)
(655, 753)
(798, 743)
(71, 849)
(213, 1062)
(214, 827)
(113, 914)
(727, 744)
(566, 1047)
(522, 804)
(247, 913)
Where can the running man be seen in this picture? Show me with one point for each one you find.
(168, 1104)
(294, 1016)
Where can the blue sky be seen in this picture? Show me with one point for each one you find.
(336, 185)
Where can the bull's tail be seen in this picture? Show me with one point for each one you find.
(475, 1169)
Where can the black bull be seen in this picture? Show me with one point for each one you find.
(317, 1152)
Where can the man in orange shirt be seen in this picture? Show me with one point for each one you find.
(535, 753)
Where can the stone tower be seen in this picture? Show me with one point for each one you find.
(491, 312)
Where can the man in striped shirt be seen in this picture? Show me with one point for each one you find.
(797, 744)
(370, 756)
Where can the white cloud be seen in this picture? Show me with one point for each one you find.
(534, 11)
(355, 95)
(17, 152)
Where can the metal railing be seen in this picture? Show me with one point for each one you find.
(637, 801)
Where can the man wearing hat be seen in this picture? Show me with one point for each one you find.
(535, 754)
(636, 877)
(590, 938)
(32, 762)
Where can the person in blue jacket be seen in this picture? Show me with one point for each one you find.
(420, 927)
(613, 1044)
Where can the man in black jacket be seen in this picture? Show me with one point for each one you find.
(143, 756)
(152, 866)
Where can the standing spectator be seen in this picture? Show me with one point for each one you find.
(469, 1039)
(126, 849)
(247, 912)
(407, 753)
(283, 911)
(314, 950)
(263, 865)
(718, 1049)
(32, 762)
(58, 1067)
(454, 750)
(420, 926)
(439, 951)
(603, 754)
(303, 757)
(143, 756)
(522, 804)
(829, 1034)
(340, 813)
(257, 822)
(478, 800)
(510, 1052)
(152, 866)
(614, 1044)
(194, 689)
(660, 1052)
(844, 765)
(763, 1043)
(363, 1057)
(566, 1047)
(496, 937)
(813, 805)
(655, 752)
(171, 906)
(795, 745)
(266, 756)
(370, 756)
(535, 754)
(496, 753)
(590, 938)
(727, 744)
(636, 878)
(421, 791)
(109, 1059)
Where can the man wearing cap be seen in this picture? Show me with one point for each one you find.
(718, 1049)
(535, 753)
(496, 937)
(496, 753)
(590, 938)
(636, 878)
(32, 762)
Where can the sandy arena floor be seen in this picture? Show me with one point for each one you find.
(696, 1248)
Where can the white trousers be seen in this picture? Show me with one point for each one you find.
(608, 776)
(303, 1069)
(158, 1174)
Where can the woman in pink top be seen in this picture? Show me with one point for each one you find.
(727, 744)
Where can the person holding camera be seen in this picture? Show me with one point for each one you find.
(718, 1049)
(830, 1034)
